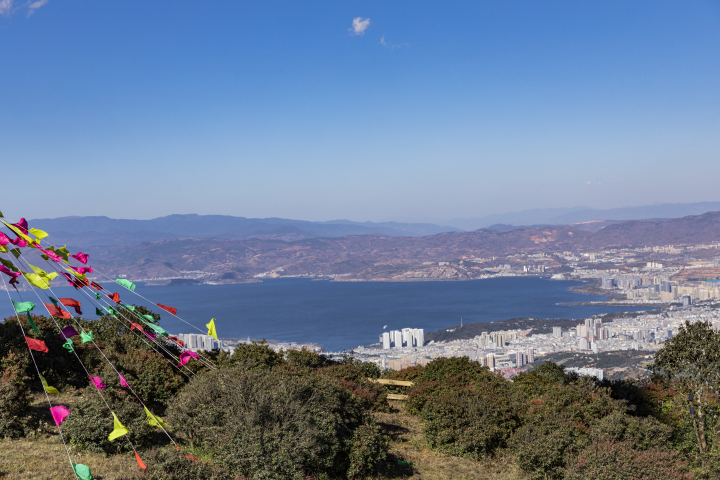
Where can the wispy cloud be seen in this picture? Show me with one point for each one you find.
(392, 46)
(33, 6)
(6, 7)
(359, 26)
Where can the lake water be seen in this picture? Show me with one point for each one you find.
(343, 315)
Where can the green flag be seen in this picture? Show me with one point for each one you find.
(22, 307)
(97, 296)
(16, 252)
(126, 283)
(149, 318)
(82, 471)
(54, 301)
(99, 312)
(158, 330)
(68, 345)
(32, 324)
(86, 337)
(8, 264)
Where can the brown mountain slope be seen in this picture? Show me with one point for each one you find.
(243, 258)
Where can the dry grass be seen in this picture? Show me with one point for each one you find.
(408, 445)
(43, 456)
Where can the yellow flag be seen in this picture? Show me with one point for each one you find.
(211, 329)
(3, 249)
(39, 234)
(154, 421)
(119, 430)
(36, 280)
(19, 233)
(48, 388)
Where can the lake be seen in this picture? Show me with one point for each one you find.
(343, 315)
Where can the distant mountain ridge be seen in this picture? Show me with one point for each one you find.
(241, 258)
(566, 216)
(85, 231)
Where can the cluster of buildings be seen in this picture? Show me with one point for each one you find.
(507, 350)
(407, 337)
(196, 341)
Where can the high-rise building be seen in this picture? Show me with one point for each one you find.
(419, 337)
(687, 300)
(396, 338)
(519, 359)
(557, 332)
(530, 355)
(583, 344)
(490, 360)
(386, 340)
(407, 337)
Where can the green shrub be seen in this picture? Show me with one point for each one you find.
(644, 433)
(90, 422)
(15, 417)
(256, 355)
(470, 422)
(611, 461)
(268, 424)
(169, 464)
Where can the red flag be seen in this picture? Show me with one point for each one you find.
(57, 312)
(133, 326)
(115, 297)
(139, 461)
(96, 286)
(69, 302)
(38, 345)
(169, 309)
(176, 340)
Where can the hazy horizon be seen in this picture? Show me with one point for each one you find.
(369, 111)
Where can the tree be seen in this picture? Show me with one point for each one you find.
(691, 360)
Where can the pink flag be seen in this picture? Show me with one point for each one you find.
(22, 225)
(186, 356)
(52, 255)
(20, 242)
(149, 335)
(123, 382)
(68, 277)
(82, 270)
(98, 383)
(59, 413)
(9, 272)
(4, 239)
(81, 257)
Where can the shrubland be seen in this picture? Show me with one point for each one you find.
(261, 414)
(257, 414)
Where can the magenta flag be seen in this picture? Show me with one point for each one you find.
(81, 257)
(123, 382)
(9, 272)
(186, 356)
(98, 383)
(4, 239)
(59, 413)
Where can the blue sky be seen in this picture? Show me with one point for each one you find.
(431, 110)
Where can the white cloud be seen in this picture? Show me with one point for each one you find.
(392, 46)
(359, 26)
(6, 7)
(33, 6)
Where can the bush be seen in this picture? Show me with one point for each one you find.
(471, 422)
(15, 418)
(169, 464)
(90, 422)
(611, 460)
(644, 433)
(275, 425)
(256, 355)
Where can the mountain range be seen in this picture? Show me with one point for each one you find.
(241, 258)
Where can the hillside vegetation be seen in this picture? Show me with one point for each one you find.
(296, 415)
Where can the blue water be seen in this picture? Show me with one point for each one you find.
(343, 315)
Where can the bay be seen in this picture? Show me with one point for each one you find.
(343, 315)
